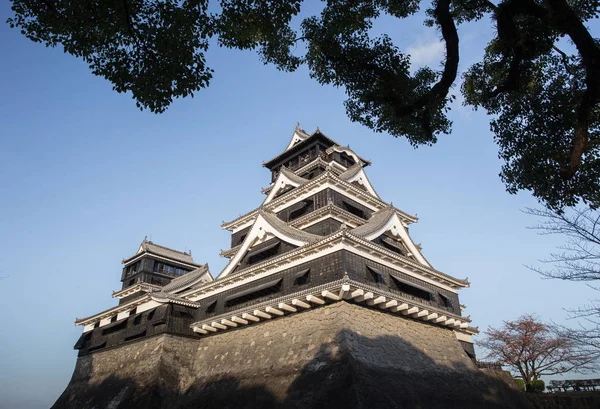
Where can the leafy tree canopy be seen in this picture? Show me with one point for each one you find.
(543, 102)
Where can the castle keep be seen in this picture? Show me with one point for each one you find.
(325, 294)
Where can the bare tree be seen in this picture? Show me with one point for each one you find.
(531, 349)
(578, 259)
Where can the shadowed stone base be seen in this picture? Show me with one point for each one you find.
(338, 356)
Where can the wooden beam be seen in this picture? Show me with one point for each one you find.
(411, 311)
(400, 308)
(208, 328)
(357, 293)
(200, 330)
(389, 304)
(330, 295)
(239, 320)
(314, 299)
(272, 310)
(228, 323)
(250, 317)
(261, 314)
(431, 316)
(344, 291)
(286, 307)
(422, 313)
(364, 297)
(215, 324)
(376, 301)
(300, 303)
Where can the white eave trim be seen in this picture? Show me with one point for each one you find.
(363, 180)
(396, 226)
(336, 291)
(338, 241)
(170, 260)
(297, 137)
(134, 289)
(327, 180)
(259, 232)
(113, 311)
(281, 183)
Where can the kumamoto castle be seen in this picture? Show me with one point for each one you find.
(326, 302)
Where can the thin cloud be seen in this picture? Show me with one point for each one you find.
(426, 51)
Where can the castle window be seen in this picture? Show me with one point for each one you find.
(376, 276)
(113, 318)
(211, 307)
(181, 311)
(411, 289)
(263, 253)
(302, 277)
(96, 324)
(354, 210)
(136, 335)
(445, 300)
(346, 160)
(300, 209)
(132, 269)
(110, 329)
(155, 266)
(392, 245)
(131, 282)
(253, 293)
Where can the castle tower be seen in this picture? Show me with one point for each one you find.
(322, 235)
(325, 301)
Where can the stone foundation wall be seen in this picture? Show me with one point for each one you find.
(565, 400)
(339, 356)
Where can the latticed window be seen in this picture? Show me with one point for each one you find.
(376, 276)
(211, 307)
(411, 289)
(254, 293)
(354, 210)
(264, 253)
(302, 277)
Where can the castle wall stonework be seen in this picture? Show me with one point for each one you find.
(338, 356)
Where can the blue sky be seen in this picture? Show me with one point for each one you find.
(84, 176)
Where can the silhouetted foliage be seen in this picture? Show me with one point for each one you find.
(578, 259)
(543, 100)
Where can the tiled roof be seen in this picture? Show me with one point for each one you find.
(376, 222)
(304, 142)
(288, 230)
(351, 171)
(156, 249)
(186, 280)
(292, 176)
(167, 297)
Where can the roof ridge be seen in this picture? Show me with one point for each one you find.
(284, 227)
(351, 171)
(167, 248)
